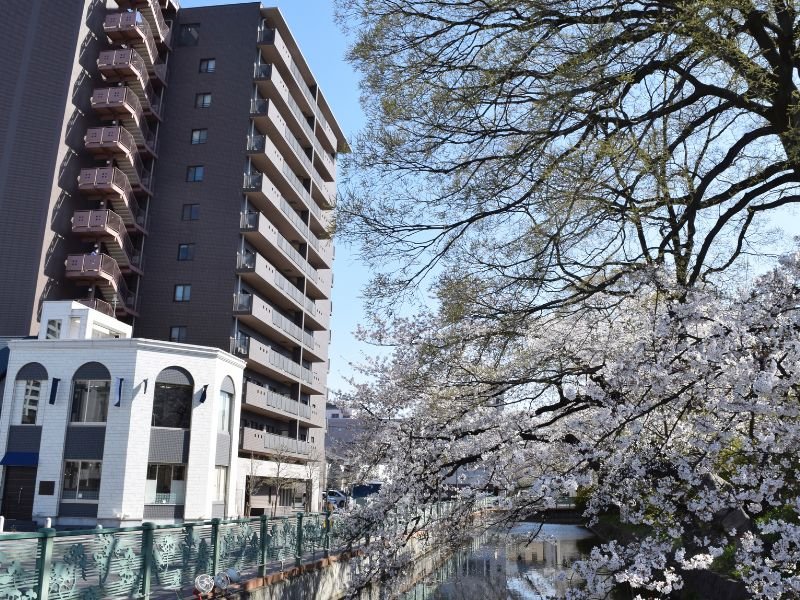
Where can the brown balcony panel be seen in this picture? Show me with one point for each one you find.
(117, 143)
(151, 11)
(122, 104)
(132, 28)
(128, 66)
(113, 185)
(103, 272)
(106, 225)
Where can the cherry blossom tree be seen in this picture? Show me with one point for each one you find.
(676, 410)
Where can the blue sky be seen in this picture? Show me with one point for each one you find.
(324, 47)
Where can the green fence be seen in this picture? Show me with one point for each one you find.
(153, 561)
(162, 561)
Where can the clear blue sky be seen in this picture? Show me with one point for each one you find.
(324, 47)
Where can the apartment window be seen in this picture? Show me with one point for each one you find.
(220, 484)
(177, 333)
(185, 251)
(189, 34)
(53, 329)
(81, 480)
(195, 173)
(90, 401)
(183, 292)
(199, 136)
(191, 212)
(30, 391)
(208, 65)
(224, 420)
(202, 100)
(166, 484)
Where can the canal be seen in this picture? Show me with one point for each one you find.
(521, 565)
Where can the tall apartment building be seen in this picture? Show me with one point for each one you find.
(176, 168)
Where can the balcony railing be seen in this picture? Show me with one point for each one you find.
(266, 398)
(105, 220)
(247, 260)
(111, 180)
(110, 102)
(108, 139)
(262, 71)
(98, 305)
(279, 443)
(117, 65)
(100, 266)
(126, 26)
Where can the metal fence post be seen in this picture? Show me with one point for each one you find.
(147, 558)
(299, 548)
(262, 557)
(214, 545)
(45, 563)
(327, 542)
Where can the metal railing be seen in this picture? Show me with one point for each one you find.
(102, 219)
(98, 305)
(259, 107)
(162, 561)
(132, 20)
(129, 58)
(102, 178)
(126, 98)
(262, 71)
(103, 137)
(100, 265)
(261, 396)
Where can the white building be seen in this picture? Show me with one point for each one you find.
(97, 427)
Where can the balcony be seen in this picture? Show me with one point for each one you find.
(267, 401)
(253, 440)
(102, 271)
(268, 120)
(259, 315)
(132, 28)
(117, 143)
(121, 103)
(151, 11)
(263, 235)
(322, 192)
(127, 66)
(265, 195)
(275, 51)
(98, 305)
(262, 358)
(107, 225)
(113, 185)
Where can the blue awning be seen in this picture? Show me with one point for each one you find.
(20, 459)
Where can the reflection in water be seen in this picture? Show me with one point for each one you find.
(501, 567)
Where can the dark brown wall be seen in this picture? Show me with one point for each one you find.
(38, 39)
(227, 34)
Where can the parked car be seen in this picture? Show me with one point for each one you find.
(336, 497)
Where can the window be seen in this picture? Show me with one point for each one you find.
(185, 251)
(53, 329)
(195, 173)
(220, 484)
(208, 65)
(172, 399)
(183, 292)
(199, 136)
(177, 333)
(166, 484)
(90, 401)
(224, 420)
(191, 212)
(202, 100)
(189, 34)
(30, 391)
(81, 480)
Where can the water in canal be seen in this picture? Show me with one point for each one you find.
(506, 567)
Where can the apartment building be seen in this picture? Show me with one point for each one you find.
(178, 173)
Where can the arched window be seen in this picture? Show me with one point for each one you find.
(172, 399)
(225, 405)
(91, 386)
(28, 390)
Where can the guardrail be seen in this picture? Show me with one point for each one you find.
(162, 561)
